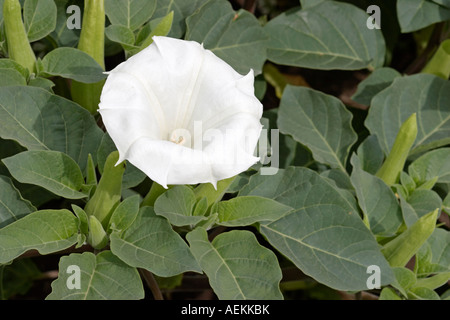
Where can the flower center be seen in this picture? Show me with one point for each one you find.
(181, 137)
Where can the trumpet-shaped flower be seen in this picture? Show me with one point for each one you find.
(181, 114)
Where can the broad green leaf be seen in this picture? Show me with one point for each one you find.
(152, 244)
(181, 10)
(421, 293)
(432, 164)
(439, 260)
(341, 179)
(377, 81)
(40, 120)
(319, 121)
(11, 64)
(424, 94)
(324, 236)
(42, 83)
(125, 214)
(418, 14)
(389, 294)
(246, 210)
(329, 244)
(39, 18)
(130, 13)
(370, 155)
(11, 77)
(121, 34)
(102, 277)
(329, 35)
(236, 37)
(299, 187)
(310, 3)
(422, 201)
(52, 170)
(12, 205)
(377, 201)
(402, 248)
(404, 279)
(72, 63)
(46, 231)
(177, 205)
(237, 266)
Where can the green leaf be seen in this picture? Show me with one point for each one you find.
(11, 64)
(370, 155)
(439, 64)
(246, 210)
(52, 170)
(424, 94)
(236, 37)
(423, 201)
(130, 13)
(329, 35)
(237, 266)
(389, 294)
(46, 231)
(12, 205)
(11, 77)
(377, 201)
(181, 10)
(121, 34)
(72, 63)
(102, 277)
(439, 261)
(177, 205)
(445, 3)
(418, 14)
(376, 82)
(324, 236)
(39, 18)
(421, 293)
(125, 214)
(402, 248)
(40, 120)
(299, 187)
(432, 164)
(152, 244)
(319, 121)
(404, 279)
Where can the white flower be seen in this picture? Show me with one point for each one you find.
(182, 115)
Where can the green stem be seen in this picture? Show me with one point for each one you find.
(394, 163)
(18, 45)
(92, 41)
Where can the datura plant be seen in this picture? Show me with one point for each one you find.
(224, 149)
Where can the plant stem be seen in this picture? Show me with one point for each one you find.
(152, 284)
